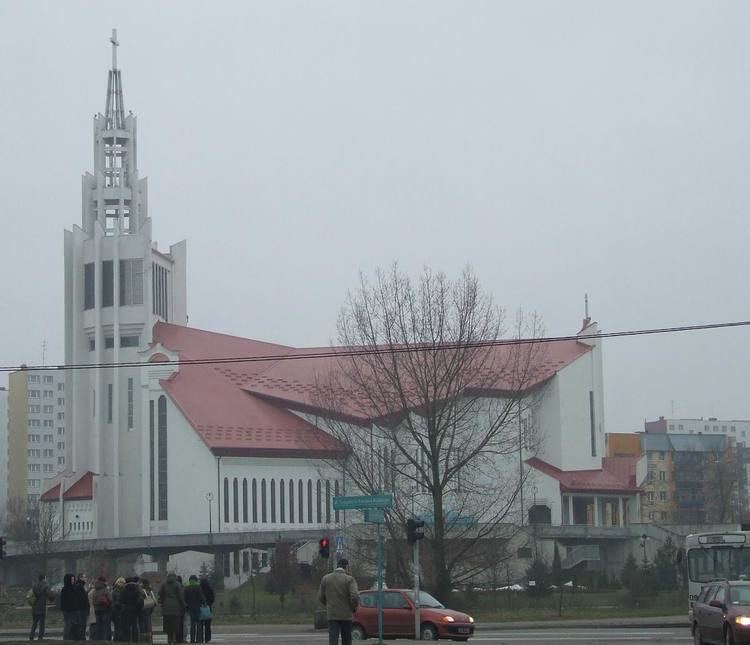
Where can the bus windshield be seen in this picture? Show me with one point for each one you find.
(710, 563)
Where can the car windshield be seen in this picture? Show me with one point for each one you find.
(706, 564)
(741, 595)
(426, 600)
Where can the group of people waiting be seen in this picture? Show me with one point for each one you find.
(123, 610)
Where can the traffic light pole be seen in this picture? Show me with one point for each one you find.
(417, 622)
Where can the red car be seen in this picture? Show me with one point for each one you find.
(398, 617)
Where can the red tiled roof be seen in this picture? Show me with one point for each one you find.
(245, 407)
(82, 488)
(617, 475)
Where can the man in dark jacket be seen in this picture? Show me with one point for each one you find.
(339, 594)
(210, 597)
(69, 607)
(193, 601)
(132, 604)
(83, 606)
(41, 594)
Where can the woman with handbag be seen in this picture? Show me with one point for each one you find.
(149, 602)
(210, 598)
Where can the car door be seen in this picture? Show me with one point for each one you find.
(715, 616)
(700, 607)
(367, 613)
(400, 614)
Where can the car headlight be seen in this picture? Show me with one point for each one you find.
(471, 620)
(448, 619)
(742, 620)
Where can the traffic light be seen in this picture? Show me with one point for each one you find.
(324, 548)
(2, 547)
(414, 530)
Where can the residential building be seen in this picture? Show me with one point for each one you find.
(737, 429)
(3, 449)
(37, 437)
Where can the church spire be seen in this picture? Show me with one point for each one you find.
(114, 112)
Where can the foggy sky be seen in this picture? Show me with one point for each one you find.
(561, 148)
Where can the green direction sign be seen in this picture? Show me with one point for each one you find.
(363, 502)
(375, 515)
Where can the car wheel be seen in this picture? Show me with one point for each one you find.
(358, 633)
(428, 632)
(728, 635)
(697, 636)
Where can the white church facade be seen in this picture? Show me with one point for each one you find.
(157, 442)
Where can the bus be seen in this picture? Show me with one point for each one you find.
(712, 556)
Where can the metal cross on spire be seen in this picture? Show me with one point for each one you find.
(115, 45)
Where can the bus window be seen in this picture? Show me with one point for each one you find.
(705, 564)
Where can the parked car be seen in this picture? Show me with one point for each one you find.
(721, 613)
(436, 621)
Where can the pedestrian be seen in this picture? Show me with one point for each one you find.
(82, 602)
(132, 604)
(101, 600)
(149, 602)
(40, 594)
(172, 604)
(210, 597)
(181, 624)
(118, 610)
(193, 602)
(339, 594)
(69, 607)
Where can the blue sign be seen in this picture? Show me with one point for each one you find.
(339, 544)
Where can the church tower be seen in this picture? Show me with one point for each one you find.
(117, 286)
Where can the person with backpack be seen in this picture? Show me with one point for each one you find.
(194, 600)
(37, 598)
(101, 601)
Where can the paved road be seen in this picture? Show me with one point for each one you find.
(525, 636)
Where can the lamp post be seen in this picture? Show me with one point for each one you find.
(209, 498)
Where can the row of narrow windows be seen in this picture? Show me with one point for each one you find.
(270, 507)
(130, 285)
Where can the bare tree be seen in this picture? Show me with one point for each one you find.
(36, 525)
(723, 482)
(433, 408)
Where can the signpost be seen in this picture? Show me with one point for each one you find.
(374, 507)
(339, 544)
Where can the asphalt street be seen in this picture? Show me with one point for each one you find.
(590, 636)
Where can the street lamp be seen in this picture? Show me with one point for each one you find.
(209, 498)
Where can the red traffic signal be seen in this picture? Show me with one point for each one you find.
(324, 547)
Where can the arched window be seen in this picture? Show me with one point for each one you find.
(282, 502)
(273, 501)
(236, 500)
(291, 501)
(255, 501)
(263, 516)
(336, 494)
(300, 502)
(244, 500)
(226, 499)
(309, 501)
(328, 501)
(318, 503)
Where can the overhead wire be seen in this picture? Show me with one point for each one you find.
(345, 352)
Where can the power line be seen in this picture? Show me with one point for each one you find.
(341, 352)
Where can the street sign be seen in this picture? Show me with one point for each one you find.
(363, 502)
(375, 515)
(339, 544)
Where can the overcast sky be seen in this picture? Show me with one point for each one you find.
(561, 148)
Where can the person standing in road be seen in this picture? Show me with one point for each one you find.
(132, 604)
(69, 607)
(40, 595)
(210, 598)
(101, 600)
(193, 601)
(339, 594)
(82, 602)
(172, 606)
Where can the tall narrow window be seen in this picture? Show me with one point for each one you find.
(593, 424)
(226, 500)
(162, 417)
(130, 404)
(291, 501)
(336, 494)
(109, 402)
(255, 501)
(309, 502)
(131, 282)
(263, 516)
(244, 500)
(318, 503)
(282, 502)
(235, 500)
(328, 501)
(151, 458)
(108, 284)
(300, 502)
(88, 286)
(273, 501)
